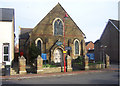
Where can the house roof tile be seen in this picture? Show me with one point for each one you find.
(6, 14)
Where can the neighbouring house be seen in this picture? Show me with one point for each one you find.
(48, 36)
(7, 25)
(97, 51)
(108, 42)
(90, 50)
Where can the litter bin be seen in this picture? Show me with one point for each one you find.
(7, 70)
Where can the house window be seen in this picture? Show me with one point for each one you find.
(76, 47)
(58, 27)
(6, 52)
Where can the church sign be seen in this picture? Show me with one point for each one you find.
(64, 51)
(44, 56)
(68, 48)
(59, 43)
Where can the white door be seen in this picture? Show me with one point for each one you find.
(58, 56)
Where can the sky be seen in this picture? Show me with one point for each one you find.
(91, 16)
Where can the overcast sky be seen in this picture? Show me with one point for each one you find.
(90, 15)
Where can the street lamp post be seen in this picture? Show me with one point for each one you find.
(66, 16)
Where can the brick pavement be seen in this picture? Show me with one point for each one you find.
(54, 74)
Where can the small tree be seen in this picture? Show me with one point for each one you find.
(34, 52)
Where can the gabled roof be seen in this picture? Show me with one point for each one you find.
(71, 19)
(97, 41)
(112, 24)
(25, 30)
(56, 7)
(115, 23)
(24, 34)
(88, 43)
(6, 14)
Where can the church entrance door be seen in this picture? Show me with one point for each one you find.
(58, 55)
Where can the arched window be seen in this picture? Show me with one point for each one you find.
(39, 46)
(82, 47)
(58, 27)
(76, 47)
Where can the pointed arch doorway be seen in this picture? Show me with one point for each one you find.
(58, 55)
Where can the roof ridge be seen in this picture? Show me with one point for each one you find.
(26, 28)
(58, 5)
(114, 25)
(113, 20)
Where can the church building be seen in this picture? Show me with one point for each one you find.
(51, 34)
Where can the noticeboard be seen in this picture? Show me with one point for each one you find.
(91, 56)
(59, 43)
(44, 56)
(68, 48)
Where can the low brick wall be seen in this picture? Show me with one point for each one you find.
(96, 66)
(52, 70)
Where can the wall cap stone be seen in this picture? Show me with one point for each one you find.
(68, 57)
(39, 57)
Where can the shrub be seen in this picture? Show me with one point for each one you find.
(95, 63)
(79, 60)
(99, 62)
(34, 52)
(48, 65)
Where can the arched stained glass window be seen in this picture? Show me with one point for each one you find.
(58, 27)
(55, 28)
(76, 47)
(39, 46)
(82, 47)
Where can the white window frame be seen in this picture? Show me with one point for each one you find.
(62, 24)
(6, 45)
(36, 41)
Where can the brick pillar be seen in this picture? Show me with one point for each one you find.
(39, 64)
(102, 66)
(86, 62)
(22, 65)
(107, 61)
(69, 68)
